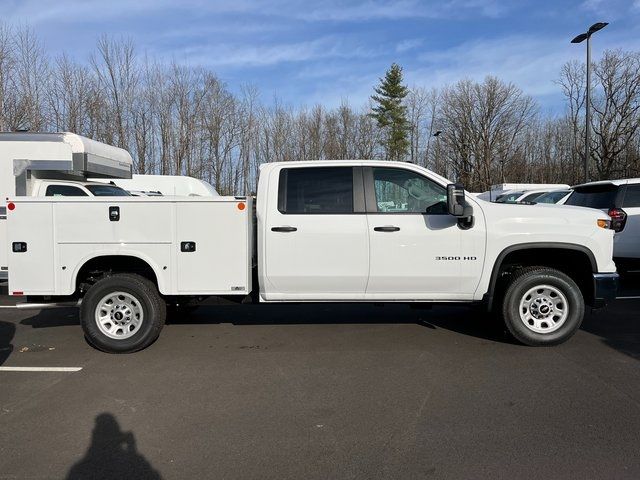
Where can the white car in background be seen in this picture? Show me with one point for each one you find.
(500, 189)
(620, 199)
(557, 197)
(521, 196)
(59, 188)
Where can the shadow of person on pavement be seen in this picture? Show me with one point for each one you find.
(7, 331)
(112, 454)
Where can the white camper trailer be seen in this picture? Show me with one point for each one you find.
(29, 161)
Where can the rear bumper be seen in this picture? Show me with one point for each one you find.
(605, 288)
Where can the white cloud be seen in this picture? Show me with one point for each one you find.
(409, 44)
(36, 11)
(528, 61)
(532, 63)
(610, 9)
(592, 4)
(399, 9)
(256, 55)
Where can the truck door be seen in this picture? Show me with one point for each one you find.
(316, 245)
(417, 250)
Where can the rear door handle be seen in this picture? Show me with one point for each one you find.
(283, 229)
(389, 228)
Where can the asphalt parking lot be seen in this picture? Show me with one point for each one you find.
(333, 391)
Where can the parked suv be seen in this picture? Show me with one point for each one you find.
(621, 200)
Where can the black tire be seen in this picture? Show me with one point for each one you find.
(522, 282)
(152, 305)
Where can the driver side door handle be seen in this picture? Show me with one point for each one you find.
(388, 228)
(284, 229)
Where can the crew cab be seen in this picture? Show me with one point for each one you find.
(327, 231)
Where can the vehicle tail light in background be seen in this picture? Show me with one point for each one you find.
(618, 219)
(17, 294)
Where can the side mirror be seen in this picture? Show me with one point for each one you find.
(455, 200)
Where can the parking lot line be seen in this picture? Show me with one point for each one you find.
(40, 369)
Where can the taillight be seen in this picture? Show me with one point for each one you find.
(618, 219)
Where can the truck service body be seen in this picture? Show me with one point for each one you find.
(326, 231)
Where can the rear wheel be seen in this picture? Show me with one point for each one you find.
(122, 313)
(542, 306)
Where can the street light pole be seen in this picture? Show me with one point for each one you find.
(587, 130)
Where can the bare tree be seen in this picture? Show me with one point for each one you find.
(483, 126)
(117, 73)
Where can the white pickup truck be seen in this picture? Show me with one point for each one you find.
(357, 231)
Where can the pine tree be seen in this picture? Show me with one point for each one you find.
(391, 114)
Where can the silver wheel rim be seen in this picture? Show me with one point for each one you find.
(543, 309)
(119, 315)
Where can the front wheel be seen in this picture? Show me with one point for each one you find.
(122, 313)
(542, 306)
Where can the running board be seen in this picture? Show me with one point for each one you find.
(44, 306)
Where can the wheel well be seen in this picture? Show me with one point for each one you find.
(100, 267)
(574, 262)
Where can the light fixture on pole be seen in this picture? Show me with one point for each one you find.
(587, 136)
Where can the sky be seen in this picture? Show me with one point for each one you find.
(330, 51)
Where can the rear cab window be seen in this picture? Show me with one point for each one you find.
(316, 190)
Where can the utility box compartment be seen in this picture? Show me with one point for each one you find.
(195, 246)
(35, 265)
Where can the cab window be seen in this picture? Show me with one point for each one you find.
(404, 191)
(316, 190)
(64, 191)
